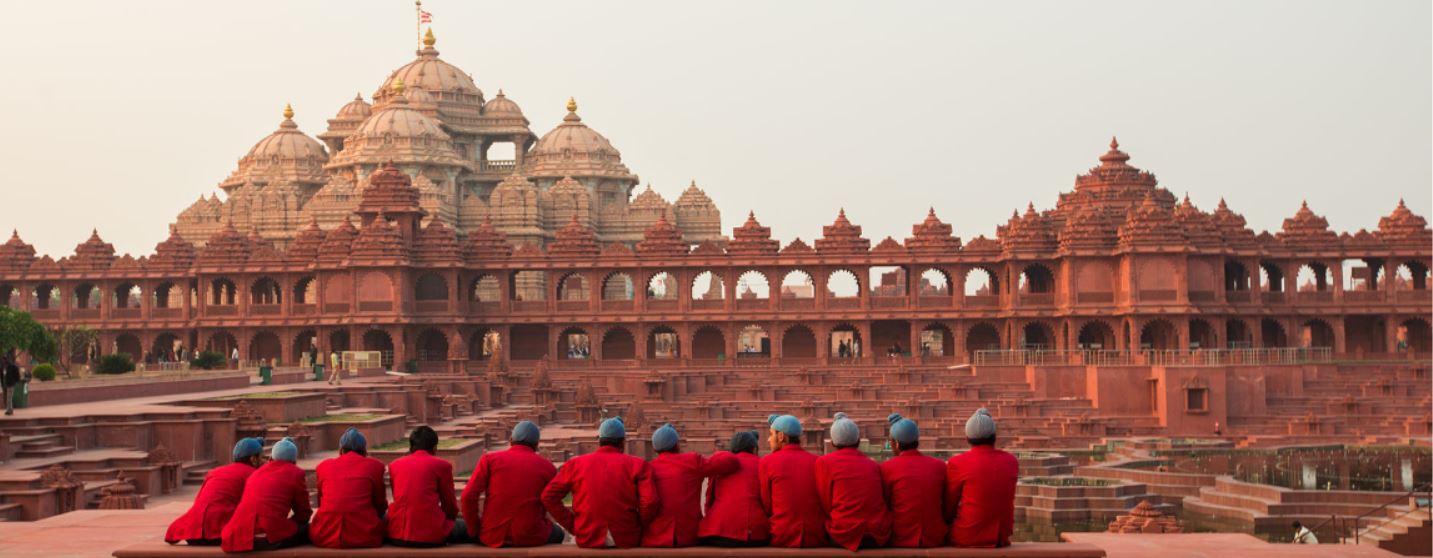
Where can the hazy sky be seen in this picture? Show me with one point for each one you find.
(120, 114)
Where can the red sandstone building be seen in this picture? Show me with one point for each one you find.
(1118, 267)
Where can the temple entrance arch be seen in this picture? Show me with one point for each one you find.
(981, 337)
(1316, 334)
(221, 342)
(842, 283)
(798, 342)
(305, 343)
(936, 340)
(431, 286)
(1273, 334)
(618, 344)
(1415, 335)
(1237, 334)
(339, 341)
(379, 340)
(708, 342)
(663, 343)
(528, 342)
(1202, 335)
(708, 286)
(1096, 335)
(164, 347)
(753, 341)
(128, 344)
(891, 337)
(265, 346)
(574, 344)
(845, 342)
(484, 344)
(1037, 336)
(432, 347)
(1158, 335)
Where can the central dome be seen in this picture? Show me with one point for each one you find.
(286, 154)
(400, 133)
(432, 74)
(573, 149)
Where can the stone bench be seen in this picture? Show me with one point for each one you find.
(1018, 550)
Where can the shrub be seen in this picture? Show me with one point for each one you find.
(44, 372)
(117, 363)
(411, 366)
(209, 360)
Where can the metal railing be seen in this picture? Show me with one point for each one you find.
(1354, 524)
(1195, 357)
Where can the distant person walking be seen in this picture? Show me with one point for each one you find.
(234, 357)
(334, 377)
(10, 382)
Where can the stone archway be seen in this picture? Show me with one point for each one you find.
(529, 342)
(891, 337)
(1202, 335)
(483, 344)
(221, 342)
(432, 347)
(936, 340)
(128, 344)
(1037, 336)
(164, 347)
(1237, 334)
(265, 346)
(708, 342)
(798, 342)
(1158, 335)
(981, 337)
(339, 341)
(1317, 334)
(618, 344)
(379, 340)
(305, 342)
(1273, 334)
(845, 342)
(663, 343)
(1415, 335)
(574, 344)
(1096, 335)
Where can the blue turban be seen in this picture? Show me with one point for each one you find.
(904, 430)
(665, 438)
(247, 447)
(285, 450)
(785, 424)
(353, 440)
(526, 433)
(844, 431)
(612, 428)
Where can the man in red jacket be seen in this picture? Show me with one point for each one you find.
(735, 516)
(425, 510)
(513, 480)
(788, 488)
(217, 498)
(980, 488)
(852, 495)
(678, 477)
(262, 522)
(352, 497)
(612, 494)
(915, 489)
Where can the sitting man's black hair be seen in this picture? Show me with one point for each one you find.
(423, 438)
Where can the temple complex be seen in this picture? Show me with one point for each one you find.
(472, 159)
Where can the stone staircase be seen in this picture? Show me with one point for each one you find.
(1407, 531)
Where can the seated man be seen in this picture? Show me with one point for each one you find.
(425, 509)
(678, 477)
(612, 494)
(735, 517)
(788, 488)
(217, 498)
(262, 521)
(915, 489)
(352, 497)
(513, 480)
(849, 485)
(980, 488)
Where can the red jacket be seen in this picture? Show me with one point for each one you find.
(678, 477)
(734, 508)
(853, 498)
(980, 495)
(915, 490)
(213, 506)
(270, 493)
(512, 514)
(424, 505)
(788, 492)
(352, 498)
(611, 493)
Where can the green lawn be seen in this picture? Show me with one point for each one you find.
(402, 445)
(342, 418)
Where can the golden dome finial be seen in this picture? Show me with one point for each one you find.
(428, 39)
(398, 86)
(571, 104)
(288, 111)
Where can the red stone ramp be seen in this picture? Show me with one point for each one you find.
(1018, 550)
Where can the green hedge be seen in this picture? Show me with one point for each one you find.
(117, 363)
(209, 360)
(43, 372)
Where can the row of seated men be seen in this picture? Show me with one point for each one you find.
(515, 497)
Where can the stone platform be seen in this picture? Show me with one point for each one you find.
(1018, 550)
(1211, 545)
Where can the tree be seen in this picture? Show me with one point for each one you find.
(19, 332)
(73, 342)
